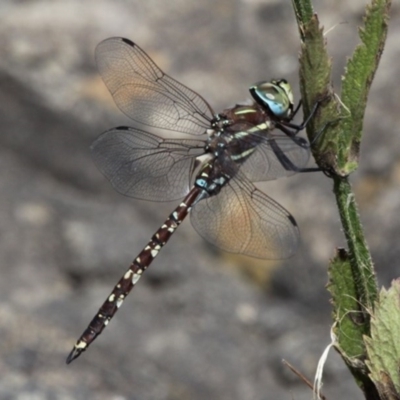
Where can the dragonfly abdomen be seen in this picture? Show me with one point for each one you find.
(133, 274)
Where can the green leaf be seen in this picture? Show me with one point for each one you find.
(360, 71)
(351, 321)
(316, 87)
(350, 324)
(383, 347)
(337, 150)
(303, 10)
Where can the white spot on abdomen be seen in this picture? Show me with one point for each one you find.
(154, 253)
(81, 345)
(135, 278)
(120, 301)
(128, 274)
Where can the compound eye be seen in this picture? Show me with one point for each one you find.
(276, 96)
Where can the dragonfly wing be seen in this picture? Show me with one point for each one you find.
(147, 95)
(142, 165)
(274, 157)
(242, 219)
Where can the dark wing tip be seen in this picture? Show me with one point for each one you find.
(292, 220)
(122, 128)
(127, 41)
(114, 39)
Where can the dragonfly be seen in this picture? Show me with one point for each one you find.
(213, 170)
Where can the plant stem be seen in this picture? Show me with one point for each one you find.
(360, 258)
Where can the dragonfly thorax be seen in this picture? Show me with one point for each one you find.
(219, 123)
(248, 125)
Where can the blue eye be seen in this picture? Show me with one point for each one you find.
(276, 108)
(274, 96)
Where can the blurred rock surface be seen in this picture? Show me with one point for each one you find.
(197, 327)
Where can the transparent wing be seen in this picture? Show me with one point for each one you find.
(274, 158)
(145, 166)
(242, 219)
(147, 95)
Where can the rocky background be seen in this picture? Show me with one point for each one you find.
(201, 324)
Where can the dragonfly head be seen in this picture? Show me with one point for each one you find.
(275, 96)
